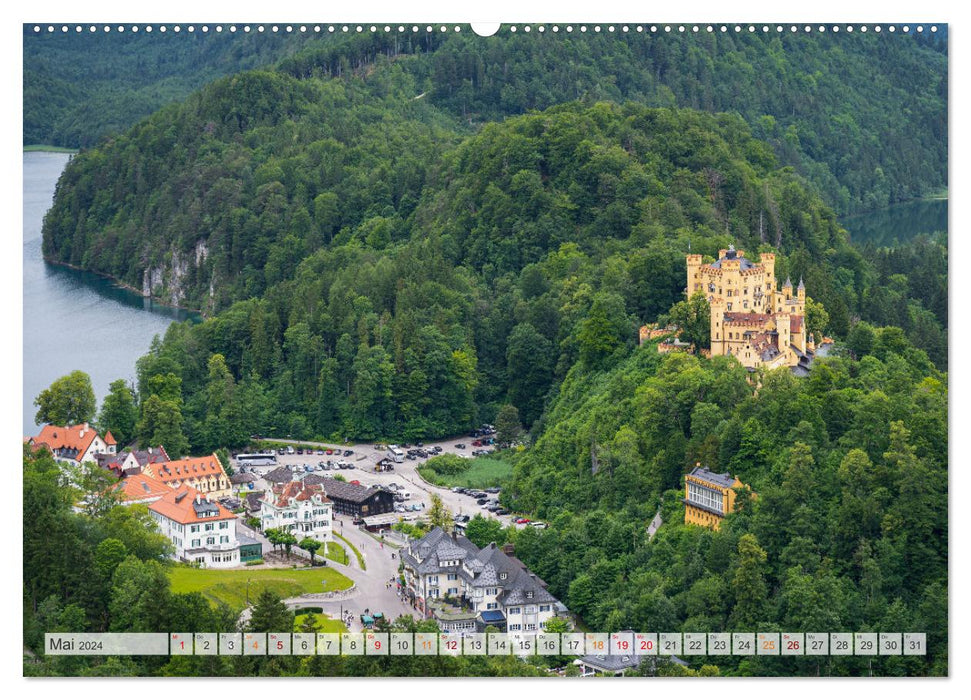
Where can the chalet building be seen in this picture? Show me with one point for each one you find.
(200, 529)
(204, 474)
(301, 509)
(358, 501)
(709, 497)
(493, 587)
(74, 444)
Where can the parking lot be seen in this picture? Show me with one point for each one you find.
(404, 475)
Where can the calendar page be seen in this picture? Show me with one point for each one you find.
(525, 349)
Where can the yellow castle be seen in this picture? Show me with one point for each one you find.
(750, 319)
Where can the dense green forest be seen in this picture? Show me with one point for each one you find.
(82, 87)
(532, 246)
(830, 104)
(848, 530)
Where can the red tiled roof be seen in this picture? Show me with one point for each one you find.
(189, 468)
(298, 491)
(180, 505)
(74, 437)
(141, 487)
(110, 439)
(795, 324)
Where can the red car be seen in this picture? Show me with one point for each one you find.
(356, 482)
(330, 452)
(523, 521)
(476, 443)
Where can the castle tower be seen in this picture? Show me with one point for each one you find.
(694, 279)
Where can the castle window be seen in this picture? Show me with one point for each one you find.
(745, 304)
(729, 306)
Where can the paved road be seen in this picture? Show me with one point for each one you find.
(371, 590)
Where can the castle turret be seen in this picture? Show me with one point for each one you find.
(694, 279)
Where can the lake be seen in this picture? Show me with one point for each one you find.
(897, 224)
(72, 319)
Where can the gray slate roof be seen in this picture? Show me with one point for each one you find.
(517, 592)
(349, 492)
(280, 475)
(703, 473)
(425, 555)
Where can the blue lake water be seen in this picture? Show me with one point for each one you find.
(75, 320)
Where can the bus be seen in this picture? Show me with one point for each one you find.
(396, 454)
(256, 460)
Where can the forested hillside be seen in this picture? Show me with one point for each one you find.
(848, 529)
(81, 87)
(830, 104)
(532, 246)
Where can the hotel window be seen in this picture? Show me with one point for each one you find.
(544, 608)
(224, 524)
(530, 627)
(195, 543)
(514, 611)
(491, 591)
(706, 497)
(729, 306)
(515, 628)
(492, 606)
(210, 540)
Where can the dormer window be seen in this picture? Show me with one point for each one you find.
(529, 594)
(503, 576)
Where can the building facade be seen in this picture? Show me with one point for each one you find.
(492, 586)
(358, 501)
(74, 444)
(709, 497)
(301, 509)
(203, 474)
(751, 319)
(200, 529)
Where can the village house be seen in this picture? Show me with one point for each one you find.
(301, 509)
(200, 529)
(709, 497)
(131, 462)
(204, 474)
(74, 444)
(358, 501)
(492, 586)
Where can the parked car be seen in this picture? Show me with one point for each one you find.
(460, 446)
(538, 525)
(456, 489)
(482, 501)
(400, 509)
(419, 444)
(348, 453)
(330, 452)
(290, 449)
(356, 482)
(493, 507)
(320, 452)
(523, 521)
(492, 489)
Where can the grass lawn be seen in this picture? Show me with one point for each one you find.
(324, 624)
(229, 586)
(483, 472)
(337, 553)
(357, 553)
